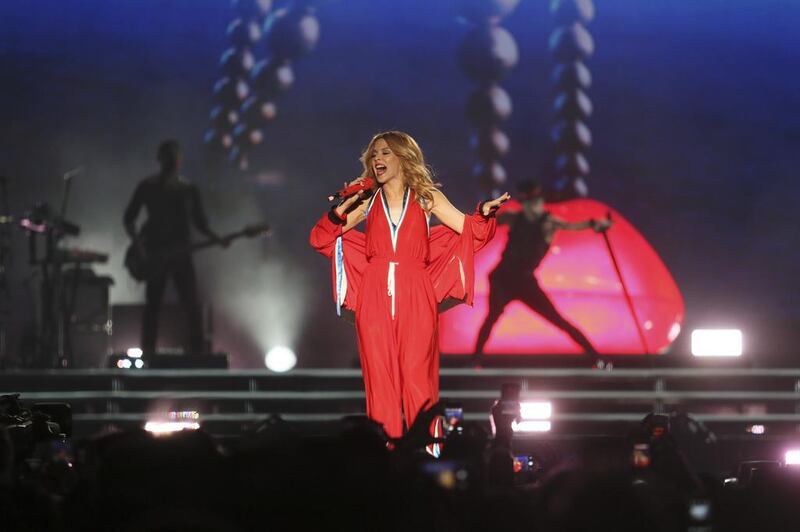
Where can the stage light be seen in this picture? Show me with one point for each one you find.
(168, 427)
(792, 457)
(126, 363)
(536, 410)
(531, 426)
(280, 359)
(121, 363)
(534, 417)
(134, 352)
(757, 429)
(717, 342)
(173, 422)
(700, 510)
(139, 363)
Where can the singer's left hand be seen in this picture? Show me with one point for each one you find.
(490, 206)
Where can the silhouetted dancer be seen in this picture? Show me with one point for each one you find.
(529, 236)
(173, 205)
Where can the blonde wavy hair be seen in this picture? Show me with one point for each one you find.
(418, 175)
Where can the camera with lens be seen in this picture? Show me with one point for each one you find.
(39, 439)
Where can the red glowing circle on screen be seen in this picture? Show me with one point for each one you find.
(579, 277)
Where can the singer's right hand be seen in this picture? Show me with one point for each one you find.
(345, 205)
(342, 208)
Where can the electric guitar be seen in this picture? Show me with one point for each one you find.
(143, 266)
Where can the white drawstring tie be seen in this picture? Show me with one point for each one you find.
(390, 283)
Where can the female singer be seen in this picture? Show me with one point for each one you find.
(395, 274)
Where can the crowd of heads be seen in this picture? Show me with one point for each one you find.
(349, 476)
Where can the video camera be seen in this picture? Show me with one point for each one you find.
(27, 427)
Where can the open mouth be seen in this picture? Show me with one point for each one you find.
(380, 169)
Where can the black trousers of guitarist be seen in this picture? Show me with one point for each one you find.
(182, 273)
(173, 205)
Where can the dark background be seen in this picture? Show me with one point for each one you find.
(696, 133)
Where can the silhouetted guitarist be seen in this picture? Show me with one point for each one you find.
(172, 205)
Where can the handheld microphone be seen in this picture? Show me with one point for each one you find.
(365, 184)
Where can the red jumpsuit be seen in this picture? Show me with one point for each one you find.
(394, 277)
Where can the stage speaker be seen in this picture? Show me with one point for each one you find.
(87, 317)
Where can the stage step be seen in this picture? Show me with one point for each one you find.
(584, 401)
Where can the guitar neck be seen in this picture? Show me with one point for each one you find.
(249, 231)
(212, 242)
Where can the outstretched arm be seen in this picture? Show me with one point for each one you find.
(446, 213)
(597, 225)
(453, 218)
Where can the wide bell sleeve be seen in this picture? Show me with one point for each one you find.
(348, 261)
(452, 259)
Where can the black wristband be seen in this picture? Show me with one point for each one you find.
(491, 211)
(334, 217)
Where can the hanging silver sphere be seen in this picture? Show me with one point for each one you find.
(487, 53)
(293, 34)
(488, 106)
(572, 75)
(572, 136)
(571, 43)
(242, 33)
(574, 104)
(271, 78)
(569, 11)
